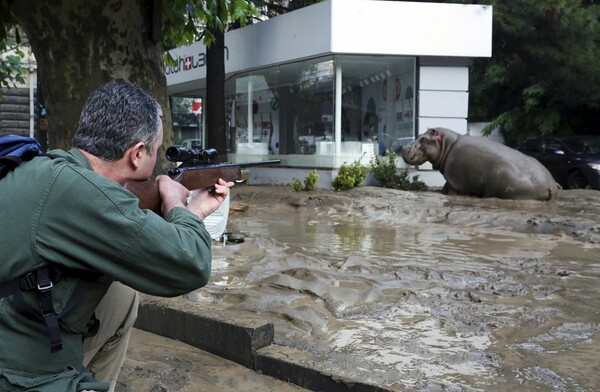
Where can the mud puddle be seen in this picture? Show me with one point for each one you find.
(421, 291)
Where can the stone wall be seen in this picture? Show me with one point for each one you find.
(14, 110)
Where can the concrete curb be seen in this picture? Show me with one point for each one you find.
(217, 333)
(295, 366)
(247, 341)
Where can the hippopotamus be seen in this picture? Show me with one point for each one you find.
(477, 166)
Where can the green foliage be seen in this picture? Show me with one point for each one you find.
(543, 75)
(11, 67)
(272, 8)
(350, 176)
(188, 21)
(310, 182)
(384, 170)
(404, 182)
(297, 185)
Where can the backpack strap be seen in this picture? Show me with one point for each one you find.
(44, 290)
(42, 280)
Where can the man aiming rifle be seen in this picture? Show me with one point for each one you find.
(76, 247)
(196, 171)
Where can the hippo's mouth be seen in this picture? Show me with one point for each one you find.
(413, 158)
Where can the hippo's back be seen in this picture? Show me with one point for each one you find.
(511, 173)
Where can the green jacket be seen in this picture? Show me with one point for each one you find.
(56, 211)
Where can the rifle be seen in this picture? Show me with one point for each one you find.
(196, 171)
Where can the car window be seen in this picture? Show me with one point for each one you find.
(530, 145)
(553, 145)
(576, 145)
(584, 145)
(593, 145)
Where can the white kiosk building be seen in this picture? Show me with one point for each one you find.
(334, 82)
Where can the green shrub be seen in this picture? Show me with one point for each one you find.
(349, 176)
(384, 170)
(297, 185)
(310, 182)
(405, 183)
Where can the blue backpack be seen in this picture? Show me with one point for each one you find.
(15, 149)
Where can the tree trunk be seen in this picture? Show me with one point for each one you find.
(80, 46)
(216, 136)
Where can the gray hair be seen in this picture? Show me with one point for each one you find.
(115, 117)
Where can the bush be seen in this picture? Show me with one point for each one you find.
(310, 182)
(403, 182)
(384, 170)
(297, 185)
(349, 176)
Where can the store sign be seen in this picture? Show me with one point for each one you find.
(187, 62)
(197, 107)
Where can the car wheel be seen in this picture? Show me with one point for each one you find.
(577, 180)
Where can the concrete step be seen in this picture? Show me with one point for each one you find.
(158, 364)
(248, 341)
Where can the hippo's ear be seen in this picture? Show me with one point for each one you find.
(433, 132)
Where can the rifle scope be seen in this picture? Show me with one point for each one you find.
(183, 154)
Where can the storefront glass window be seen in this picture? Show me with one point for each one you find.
(187, 117)
(290, 110)
(284, 110)
(378, 102)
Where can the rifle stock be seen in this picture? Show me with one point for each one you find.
(194, 177)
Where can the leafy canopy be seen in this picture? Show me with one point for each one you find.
(11, 67)
(544, 74)
(188, 21)
(184, 22)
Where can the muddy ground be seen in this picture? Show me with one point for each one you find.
(157, 364)
(421, 291)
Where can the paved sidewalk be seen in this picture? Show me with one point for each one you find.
(158, 364)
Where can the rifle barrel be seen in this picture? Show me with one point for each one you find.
(224, 165)
(260, 163)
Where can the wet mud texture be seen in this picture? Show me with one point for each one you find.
(421, 291)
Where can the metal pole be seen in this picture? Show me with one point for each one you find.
(338, 109)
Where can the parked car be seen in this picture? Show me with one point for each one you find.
(574, 161)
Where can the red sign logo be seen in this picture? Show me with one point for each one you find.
(197, 108)
(187, 63)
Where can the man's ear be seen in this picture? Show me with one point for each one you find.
(136, 154)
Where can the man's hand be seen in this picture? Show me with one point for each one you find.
(204, 202)
(172, 194)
